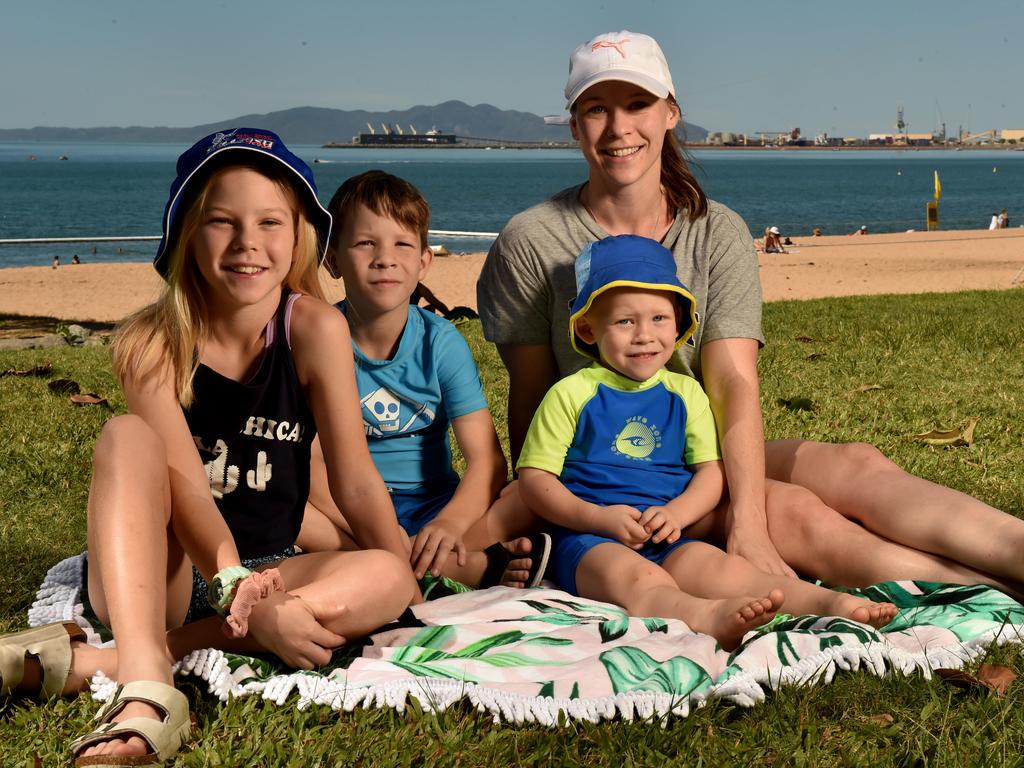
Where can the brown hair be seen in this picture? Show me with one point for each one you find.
(681, 187)
(384, 194)
(163, 338)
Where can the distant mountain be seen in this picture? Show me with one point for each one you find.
(319, 125)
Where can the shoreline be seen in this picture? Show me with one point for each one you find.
(815, 267)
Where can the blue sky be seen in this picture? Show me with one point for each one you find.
(741, 66)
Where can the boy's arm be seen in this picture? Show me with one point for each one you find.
(486, 473)
(545, 495)
(701, 495)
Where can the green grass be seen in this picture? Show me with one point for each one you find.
(939, 360)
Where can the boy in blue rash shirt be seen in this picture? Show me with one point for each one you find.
(623, 455)
(416, 376)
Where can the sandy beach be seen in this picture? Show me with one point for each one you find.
(815, 267)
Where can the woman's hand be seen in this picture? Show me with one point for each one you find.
(755, 546)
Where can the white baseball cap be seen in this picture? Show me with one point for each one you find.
(774, 230)
(628, 56)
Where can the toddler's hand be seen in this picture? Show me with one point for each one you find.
(660, 524)
(433, 545)
(622, 523)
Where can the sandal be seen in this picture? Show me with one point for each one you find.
(50, 645)
(499, 556)
(164, 737)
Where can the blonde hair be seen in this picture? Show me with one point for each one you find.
(163, 338)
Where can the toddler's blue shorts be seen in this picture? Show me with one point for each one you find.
(569, 547)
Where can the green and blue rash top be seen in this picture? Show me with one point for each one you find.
(613, 440)
(409, 401)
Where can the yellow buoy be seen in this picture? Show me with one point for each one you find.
(994, 169)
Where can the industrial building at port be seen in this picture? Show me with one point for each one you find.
(899, 137)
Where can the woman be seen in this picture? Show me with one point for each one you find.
(843, 513)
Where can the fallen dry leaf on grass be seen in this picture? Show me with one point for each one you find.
(43, 369)
(89, 398)
(868, 387)
(64, 387)
(950, 437)
(883, 720)
(989, 676)
(804, 339)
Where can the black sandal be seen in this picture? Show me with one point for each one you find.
(498, 558)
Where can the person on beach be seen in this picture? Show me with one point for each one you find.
(842, 513)
(862, 230)
(994, 222)
(416, 378)
(1003, 220)
(198, 493)
(623, 455)
(773, 241)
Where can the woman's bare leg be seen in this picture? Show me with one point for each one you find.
(819, 542)
(862, 484)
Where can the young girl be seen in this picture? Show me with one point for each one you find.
(842, 513)
(228, 377)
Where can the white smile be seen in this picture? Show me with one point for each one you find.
(622, 152)
(246, 270)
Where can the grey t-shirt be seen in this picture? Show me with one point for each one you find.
(528, 282)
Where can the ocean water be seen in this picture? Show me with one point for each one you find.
(120, 190)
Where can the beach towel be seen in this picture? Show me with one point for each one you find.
(543, 656)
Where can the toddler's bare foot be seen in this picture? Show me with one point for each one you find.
(728, 620)
(859, 609)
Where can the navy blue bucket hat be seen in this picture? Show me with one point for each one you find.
(633, 261)
(215, 151)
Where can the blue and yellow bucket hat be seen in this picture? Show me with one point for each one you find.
(627, 260)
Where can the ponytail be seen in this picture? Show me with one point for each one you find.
(681, 188)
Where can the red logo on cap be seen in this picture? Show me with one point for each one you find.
(616, 44)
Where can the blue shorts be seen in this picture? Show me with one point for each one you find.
(569, 547)
(418, 506)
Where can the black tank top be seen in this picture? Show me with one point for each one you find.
(254, 439)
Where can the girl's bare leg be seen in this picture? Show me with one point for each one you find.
(707, 571)
(350, 594)
(859, 482)
(616, 574)
(138, 582)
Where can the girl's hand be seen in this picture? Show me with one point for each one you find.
(622, 523)
(661, 524)
(294, 629)
(432, 546)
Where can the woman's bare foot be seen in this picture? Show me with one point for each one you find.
(859, 609)
(728, 620)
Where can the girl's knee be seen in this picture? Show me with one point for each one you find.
(390, 575)
(127, 436)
